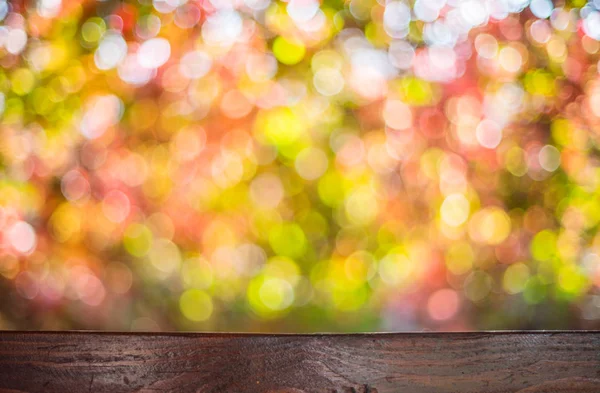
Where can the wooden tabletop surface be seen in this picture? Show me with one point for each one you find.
(486, 362)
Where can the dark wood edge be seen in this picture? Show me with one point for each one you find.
(489, 362)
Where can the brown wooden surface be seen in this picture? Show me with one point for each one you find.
(405, 362)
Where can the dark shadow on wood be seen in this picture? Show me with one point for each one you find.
(524, 362)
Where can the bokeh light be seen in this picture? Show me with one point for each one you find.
(299, 165)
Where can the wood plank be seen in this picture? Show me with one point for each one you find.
(523, 362)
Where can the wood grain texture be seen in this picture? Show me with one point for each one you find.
(403, 362)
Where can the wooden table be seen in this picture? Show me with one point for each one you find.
(400, 362)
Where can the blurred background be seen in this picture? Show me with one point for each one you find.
(299, 166)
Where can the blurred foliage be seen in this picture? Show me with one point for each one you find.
(258, 165)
